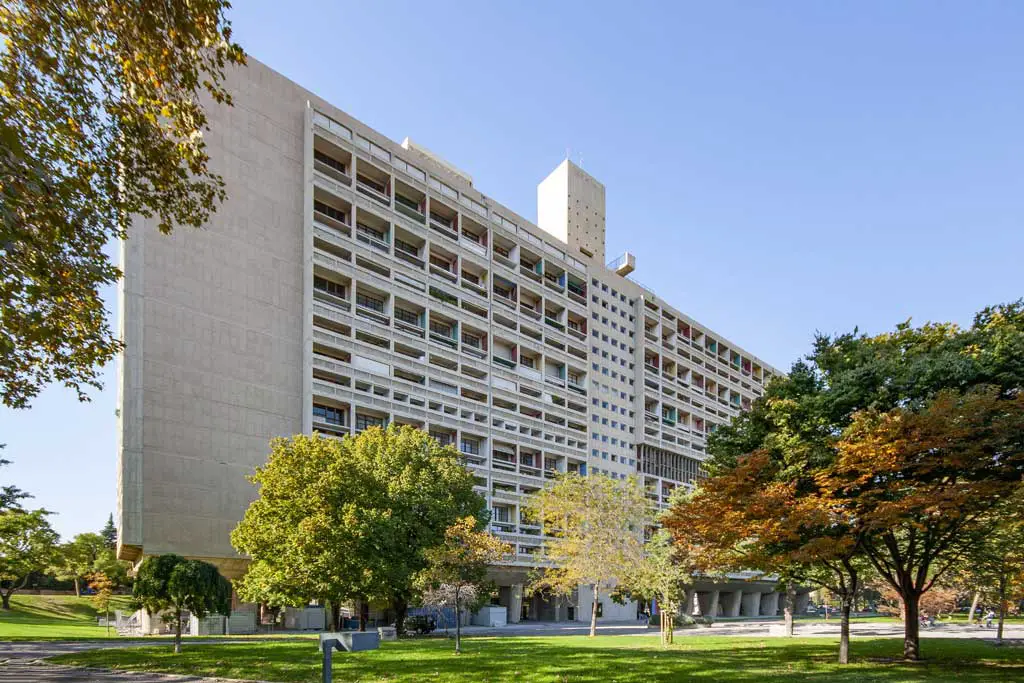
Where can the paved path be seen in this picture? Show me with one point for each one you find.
(20, 663)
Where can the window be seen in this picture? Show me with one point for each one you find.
(371, 302)
(366, 421)
(329, 415)
(406, 247)
(370, 232)
(329, 286)
(329, 211)
(471, 446)
(330, 161)
(407, 316)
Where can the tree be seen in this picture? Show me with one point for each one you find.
(457, 567)
(752, 516)
(103, 589)
(10, 496)
(918, 486)
(101, 118)
(594, 527)
(27, 544)
(801, 418)
(77, 559)
(663, 575)
(109, 533)
(169, 585)
(996, 566)
(343, 520)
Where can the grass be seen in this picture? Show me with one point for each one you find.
(577, 659)
(54, 616)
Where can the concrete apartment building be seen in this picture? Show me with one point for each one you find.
(351, 281)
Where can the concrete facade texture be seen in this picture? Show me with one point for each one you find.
(349, 281)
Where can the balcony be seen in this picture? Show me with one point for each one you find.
(504, 362)
(444, 226)
(409, 209)
(411, 258)
(373, 191)
(530, 311)
(332, 223)
(373, 238)
(332, 171)
(336, 301)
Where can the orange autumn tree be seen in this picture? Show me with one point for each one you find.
(752, 517)
(918, 486)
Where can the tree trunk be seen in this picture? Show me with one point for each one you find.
(974, 607)
(789, 608)
(844, 631)
(335, 615)
(671, 627)
(593, 613)
(5, 597)
(1002, 608)
(78, 588)
(401, 607)
(458, 625)
(911, 627)
(364, 613)
(177, 632)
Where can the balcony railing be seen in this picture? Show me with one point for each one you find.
(331, 172)
(409, 212)
(333, 223)
(373, 193)
(412, 259)
(504, 362)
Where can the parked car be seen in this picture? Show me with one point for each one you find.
(812, 609)
(421, 624)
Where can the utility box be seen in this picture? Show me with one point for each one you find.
(491, 615)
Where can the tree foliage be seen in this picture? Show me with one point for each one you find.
(109, 533)
(594, 527)
(663, 575)
(351, 519)
(169, 585)
(10, 495)
(77, 558)
(101, 118)
(858, 403)
(27, 544)
(458, 566)
(103, 591)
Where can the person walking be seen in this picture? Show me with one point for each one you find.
(989, 616)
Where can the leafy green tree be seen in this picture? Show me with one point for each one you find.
(343, 520)
(663, 575)
(101, 119)
(77, 559)
(169, 585)
(459, 565)
(109, 533)
(27, 544)
(594, 529)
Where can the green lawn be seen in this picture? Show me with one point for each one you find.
(54, 616)
(577, 659)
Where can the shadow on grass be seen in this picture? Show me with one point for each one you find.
(580, 660)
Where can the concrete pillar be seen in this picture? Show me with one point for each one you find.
(770, 604)
(688, 602)
(515, 602)
(731, 603)
(707, 603)
(802, 600)
(751, 605)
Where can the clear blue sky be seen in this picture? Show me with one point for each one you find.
(777, 168)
